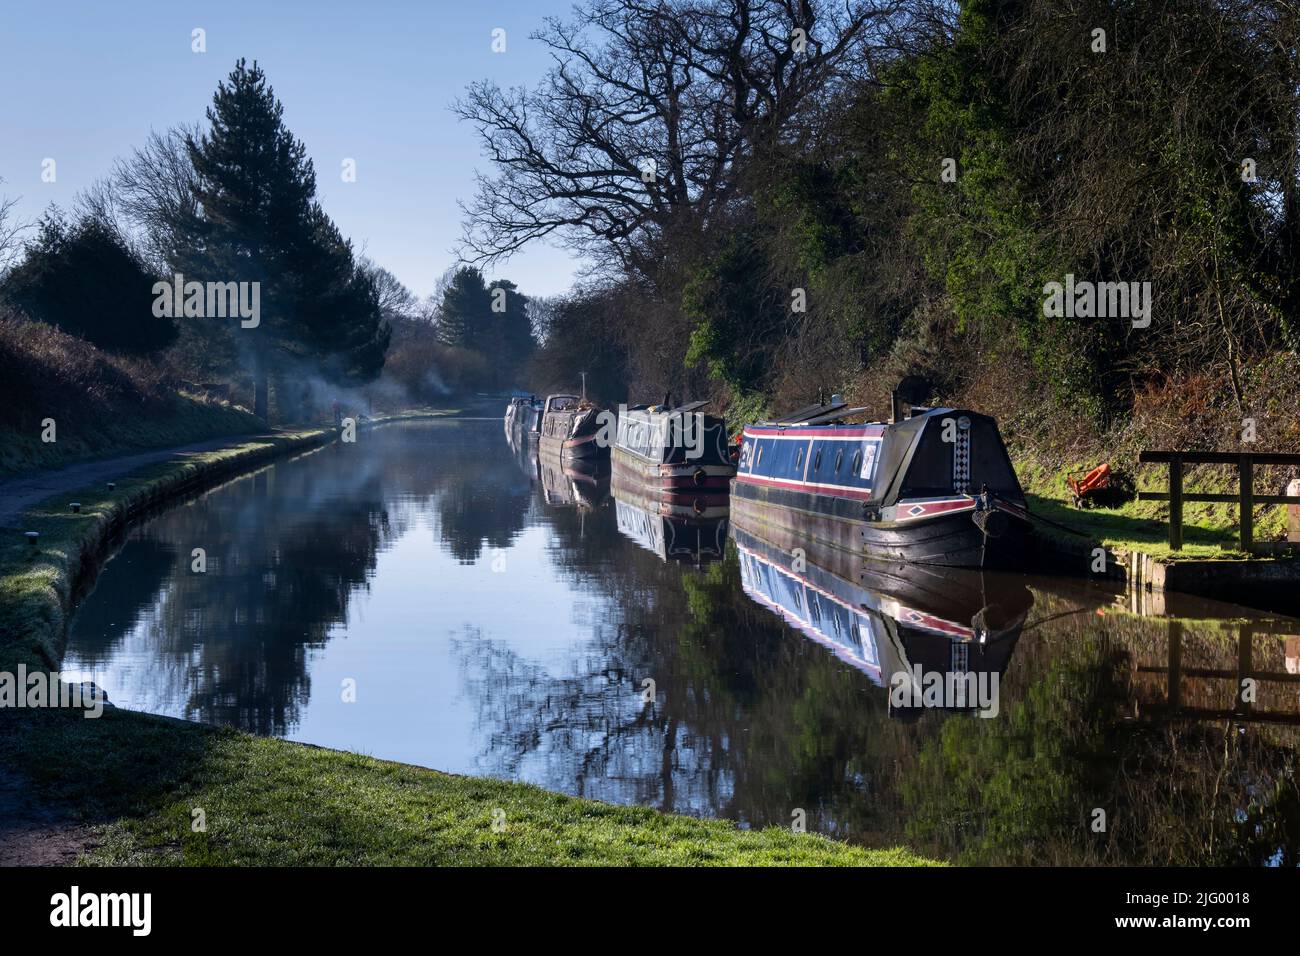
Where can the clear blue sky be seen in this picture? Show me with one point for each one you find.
(85, 82)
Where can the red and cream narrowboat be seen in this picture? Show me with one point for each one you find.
(572, 428)
(676, 455)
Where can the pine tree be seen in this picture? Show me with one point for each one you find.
(261, 223)
(512, 330)
(86, 279)
(465, 314)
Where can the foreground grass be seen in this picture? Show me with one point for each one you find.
(274, 803)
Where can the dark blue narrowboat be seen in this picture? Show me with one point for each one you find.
(935, 488)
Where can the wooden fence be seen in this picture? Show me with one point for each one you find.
(1245, 497)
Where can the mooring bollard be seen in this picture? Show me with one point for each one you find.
(76, 507)
(1293, 513)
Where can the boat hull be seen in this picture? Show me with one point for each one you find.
(583, 448)
(685, 479)
(951, 539)
(650, 494)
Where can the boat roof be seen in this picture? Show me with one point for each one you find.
(818, 426)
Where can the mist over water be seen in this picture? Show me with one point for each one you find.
(496, 621)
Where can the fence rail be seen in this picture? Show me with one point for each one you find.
(1245, 497)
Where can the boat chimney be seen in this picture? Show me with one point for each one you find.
(912, 391)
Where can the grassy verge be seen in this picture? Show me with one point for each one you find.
(97, 403)
(1210, 531)
(186, 420)
(270, 802)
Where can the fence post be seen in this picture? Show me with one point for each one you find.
(1246, 500)
(1176, 504)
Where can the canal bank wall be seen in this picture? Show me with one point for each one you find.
(1268, 584)
(42, 579)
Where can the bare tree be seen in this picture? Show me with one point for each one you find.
(640, 129)
(395, 299)
(152, 193)
(11, 230)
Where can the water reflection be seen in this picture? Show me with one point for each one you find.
(495, 620)
(911, 629)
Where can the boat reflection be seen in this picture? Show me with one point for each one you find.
(673, 532)
(525, 454)
(579, 483)
(905, 627)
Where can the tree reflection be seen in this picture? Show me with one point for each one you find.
(287, 548)
(752, 721)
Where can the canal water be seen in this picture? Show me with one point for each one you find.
(432, 595)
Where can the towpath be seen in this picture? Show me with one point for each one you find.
(20, 492)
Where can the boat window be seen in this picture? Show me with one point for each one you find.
(839, 460)
(759, 460)
(857, 461)
(798, 459)
(817, 461)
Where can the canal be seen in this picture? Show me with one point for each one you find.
(430, 595)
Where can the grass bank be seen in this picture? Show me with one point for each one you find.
(1210, 530)
(96, 404)
(1196, 411)
(140, 780)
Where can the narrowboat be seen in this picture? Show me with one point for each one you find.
(936, 487)
(678, 450)
(571, 428)
(524, 416)
(900, 625)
